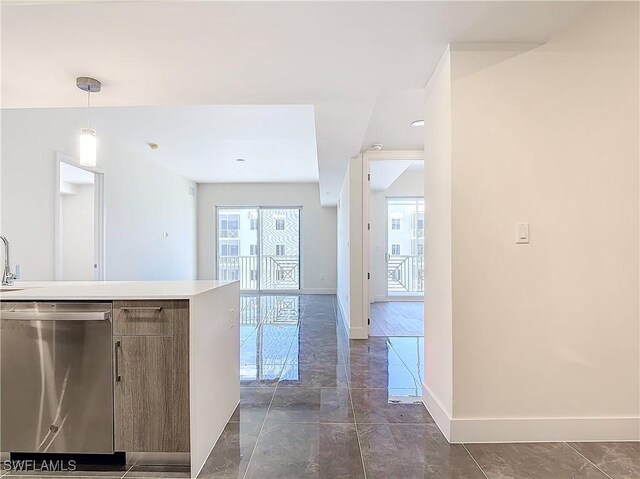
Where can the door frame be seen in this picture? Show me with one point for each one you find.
(300, 243)
(367, 158)
(99, 217)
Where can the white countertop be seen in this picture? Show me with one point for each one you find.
(106, 290)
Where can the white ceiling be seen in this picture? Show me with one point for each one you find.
(278, 143)
(357, 63)
(385, 172)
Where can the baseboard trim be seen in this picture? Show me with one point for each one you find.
(352, 333)
(562, 429)
(568, 429)
(343, 315)
(439, 414)
(398, 299)
(318, 291)
(358, 333)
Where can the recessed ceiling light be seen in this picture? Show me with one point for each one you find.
(417, 123)
(376, 147)
(240, 160)
(153, 146)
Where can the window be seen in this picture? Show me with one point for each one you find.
(280, 275)
(229, 249)
(420, 249)
(395, 223)
(395, 249)
(229, 222)
(249, 238)
(229, 225)
(420, 223)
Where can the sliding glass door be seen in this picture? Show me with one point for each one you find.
(260, 246)
(405, 247)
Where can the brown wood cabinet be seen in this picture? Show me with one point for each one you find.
(151, 352)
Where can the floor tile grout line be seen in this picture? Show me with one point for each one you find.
(474, 460)
(588, 460)
(353, 409)
(127, 471)
(259, 433)
(255, 446)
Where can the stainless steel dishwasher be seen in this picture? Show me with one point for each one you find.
(56, 391)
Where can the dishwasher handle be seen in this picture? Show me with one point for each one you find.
(55, 315)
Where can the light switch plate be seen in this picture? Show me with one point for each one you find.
(232, 317)
(522, 233)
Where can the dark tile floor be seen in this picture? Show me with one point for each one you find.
(316, 405)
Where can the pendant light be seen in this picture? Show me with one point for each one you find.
(88, 135)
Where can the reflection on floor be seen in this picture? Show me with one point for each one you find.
(316, 405)
(397, 318)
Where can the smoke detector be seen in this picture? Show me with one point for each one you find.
(376, 147)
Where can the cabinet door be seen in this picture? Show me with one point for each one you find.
(144, 394)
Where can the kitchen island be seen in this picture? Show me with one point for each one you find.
(173, 361)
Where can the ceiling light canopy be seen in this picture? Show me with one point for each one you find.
(417, 123)
(88, 144)
(240, 160)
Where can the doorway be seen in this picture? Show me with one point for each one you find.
(260, 247)
(396, 247)
(79, 238)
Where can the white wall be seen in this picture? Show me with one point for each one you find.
(438, 340)
(318, 226)
(142, 199)
(546, 335)
(409, 183)
(343, 251)
(77, 234)
(351, 252)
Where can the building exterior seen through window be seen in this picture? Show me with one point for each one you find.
(405, 246)
(260, 246)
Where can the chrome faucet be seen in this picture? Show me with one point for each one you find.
(7, 276)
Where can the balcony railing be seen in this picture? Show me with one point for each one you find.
(261, 272)
(405, 274)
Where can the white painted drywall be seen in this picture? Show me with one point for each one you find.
(409, 183)
(318, 235)
(343, 244)
(545, 335)
(142, 199)
(438, 344)
(77, 234)
(350, 256)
